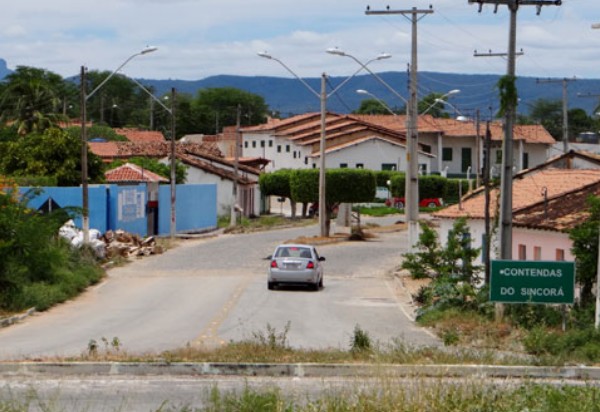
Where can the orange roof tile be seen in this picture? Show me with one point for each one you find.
(130, 172)
(141, 136)
(528, 189)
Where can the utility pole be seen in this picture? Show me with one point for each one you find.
(565, 108)
(236, 154)
(412, 158)
(173, 228)
(510, 109)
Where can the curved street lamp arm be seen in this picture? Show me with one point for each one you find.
(379, 79)
(145, 51)
(381, 102)
(363, 67)
(313, 91)
(149, 93)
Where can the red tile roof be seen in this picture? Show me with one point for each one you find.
(528, 189)
(130, 172)
(141, 136)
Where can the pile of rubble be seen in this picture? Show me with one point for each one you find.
(121, 243)
(112, 243)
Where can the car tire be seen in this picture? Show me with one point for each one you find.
(399, 205)
(271, 285)
(431, 204)
(314, 286)
(321, 282)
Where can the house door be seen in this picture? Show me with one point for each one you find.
(466, 159)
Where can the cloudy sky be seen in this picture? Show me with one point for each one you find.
(200, 38)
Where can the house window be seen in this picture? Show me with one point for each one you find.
(560, 255)
(246, 144)
(305, 160)
(262, 143)
(253, 144)
(447, 154)
(294, 154)
(498, 156)
(426, 148)
(388, 166)
(270, 143)
(537, 253)
(343, 165)
(522, 252)
(287, 148)
(525, 160)
(360, 166)
(314, 165)
(278, 148)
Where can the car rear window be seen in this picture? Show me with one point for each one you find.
(293, 251)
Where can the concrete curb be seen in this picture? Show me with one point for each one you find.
(64, 369)
(4, 322)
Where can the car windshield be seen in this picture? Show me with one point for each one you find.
(293, 251)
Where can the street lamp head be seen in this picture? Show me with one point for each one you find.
(149, 49)
(265, 55)
(362, 91)
(453, 91)
(383, 56)
(336, 51)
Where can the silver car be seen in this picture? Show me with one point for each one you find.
(295, 264)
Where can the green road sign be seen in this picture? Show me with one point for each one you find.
(522, 281)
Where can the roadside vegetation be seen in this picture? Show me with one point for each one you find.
(379, 395)
(455, 300)
(37, 267)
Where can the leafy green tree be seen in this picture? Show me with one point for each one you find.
(51, 153)
(548, 113)
(117, 101)
(277, 183)
(32, 99)
(579, 122)
(374, 106)
(585, 250)
(342, 186)
(425, 262)
(217, 107)
(429, 105)
(458, 256)
(97, 131)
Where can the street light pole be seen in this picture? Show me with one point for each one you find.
(84, 140)
(173, 154)
(323, 96)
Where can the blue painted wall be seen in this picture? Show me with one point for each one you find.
(195, 208)
(72, 197)
(128, 209)
(124, 207)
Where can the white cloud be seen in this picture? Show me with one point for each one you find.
(197, 38)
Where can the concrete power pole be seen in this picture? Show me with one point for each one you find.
(510, 109)
(412, 158)
(565, 108)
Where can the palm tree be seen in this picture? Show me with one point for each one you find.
(30, 100)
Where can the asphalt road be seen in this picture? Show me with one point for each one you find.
(210, 291)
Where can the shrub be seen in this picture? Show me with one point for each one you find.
(361, 341)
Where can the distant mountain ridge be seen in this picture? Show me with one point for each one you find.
(288, 96)
(4, 70)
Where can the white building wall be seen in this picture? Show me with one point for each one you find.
(283, 153)
(371, 155)
(547, 241)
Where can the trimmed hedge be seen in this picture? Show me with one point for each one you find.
(342, 185)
